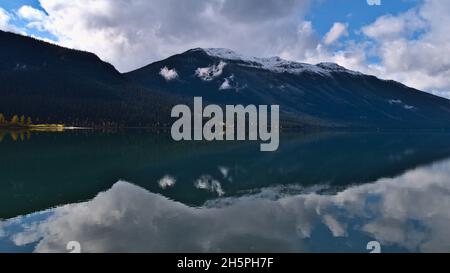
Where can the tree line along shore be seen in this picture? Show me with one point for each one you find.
(23, 122)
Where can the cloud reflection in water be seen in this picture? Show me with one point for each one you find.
(410, 212)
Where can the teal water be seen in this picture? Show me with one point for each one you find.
(138, 191)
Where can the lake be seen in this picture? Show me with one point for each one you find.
(140, 191)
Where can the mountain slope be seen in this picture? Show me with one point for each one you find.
(56, 84)
(309, 95)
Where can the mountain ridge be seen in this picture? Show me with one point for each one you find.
(55, 84)
(276, 63)
(322, 95)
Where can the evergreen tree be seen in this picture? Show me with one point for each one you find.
(2, 119)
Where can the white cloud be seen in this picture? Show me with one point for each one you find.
(337, 31)
(5, 23)
(308, 41)
(168, 74)
(225, 171)
(30, 13)
(167, 182)
(409, 211)
(130, 34)
(334, 226)
(413, 47)
(392, 27)
(4, 18)
(211, 72)
(207, 182)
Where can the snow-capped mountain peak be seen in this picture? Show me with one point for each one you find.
(335, 67)
(275, 64)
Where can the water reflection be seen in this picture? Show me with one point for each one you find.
(15, 135)
(409, 212)
(55, 169)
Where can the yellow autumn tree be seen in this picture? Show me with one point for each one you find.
(22, 120)
(2, 119)
(15, 120)
(14, 135)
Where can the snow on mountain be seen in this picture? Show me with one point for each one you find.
(276, 64)
(227, 83)
(401, 103)
(333, 67)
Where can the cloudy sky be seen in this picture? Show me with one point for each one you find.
(404, 40)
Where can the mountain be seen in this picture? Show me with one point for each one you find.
(323, 95)
(55, 84)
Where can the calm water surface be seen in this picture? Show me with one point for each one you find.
(137, 191)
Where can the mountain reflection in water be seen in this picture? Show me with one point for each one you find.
(407, 213)
(328, 192)
(51, 170)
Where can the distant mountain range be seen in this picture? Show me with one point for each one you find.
(56, 84)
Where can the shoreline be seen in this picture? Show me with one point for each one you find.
(61, 128)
